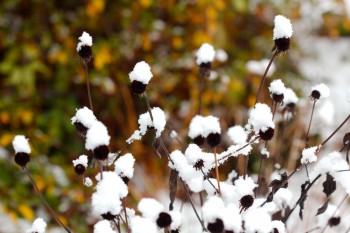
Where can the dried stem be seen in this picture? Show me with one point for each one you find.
(201, 89)
(88, 85)
(259, 177)
(217, 171)
(308, 130)
(126, 216)
(335, 131)
(47, 205)
(211, 183)
(264, 76)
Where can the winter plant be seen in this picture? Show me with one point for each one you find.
(244, 202)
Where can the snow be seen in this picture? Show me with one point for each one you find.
(232, 218)
(84, 116)
(221, 55)
(142, 225)
(277, 87)
(203, 126)
(108, 194)
(260, 118)
(259, 67)
(282, 198)
(84, 40)
(212, 209)
(141, 72)
(205, 54)
(87, 182)
(39, 226)
(145, 121)
(279, 225)
(309, 155)
(97, 136)
(322, 89)
(290, 97)
(257, 221)
(196, 127)
(173, 134)
(20, 144)
(150, 208)
(124, 166)
(265, 152)
(283, 28)
(176, 218)
(83, 160)
(103, 226)
(245, 186)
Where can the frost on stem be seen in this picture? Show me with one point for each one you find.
(140, 77)
(319, 91)
(39, 226)
(281, 34)
(80, 164)
(260, 118)
(103, 226)
(83, 120)
(145, 123)
(22, 149)
(84, 47)
(106, 200)
(205, 56)
(97, 140)
(277, 90)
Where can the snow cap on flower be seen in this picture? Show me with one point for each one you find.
(124, 166)
(176, 219)
(232, 218)
(143, 225)
(309, 155)
(145, 122)
(20, 144)
(283, 28)
(202, 128)
(80, 164)
(205, 54)
(245, 186)
(150, 208)
(140, 77)
(106, 200)
(84, 47)
(277, 90)
(281, 34)
(319, 91)
(279, 226)
(97, 139)
(237, 134)
(260, 118)
(39, 226)
(103, 226)
(212, 209)
(282, 198)
(22, 149)
(290, 98)
(259, 67)
(196, 130)
(257, 220)
(84, 116)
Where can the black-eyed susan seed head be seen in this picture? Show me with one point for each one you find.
(334, 221)
(83, 120)
(205, 57)
(80, 164)
(199, 140)
(281, 34)
(22, 150)
(97, 140)
(277, 90)
(199, 164)
(246, 201)
(164, 220)
(140, 77)
(319, 91)
(108, 216)
(214, 139)
(267, 134)
(84, 47)
(101, 152)
(137, 87)
(81, 129)
(216, 227)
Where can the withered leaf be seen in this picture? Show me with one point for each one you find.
(329, 185)
(323, 208)
(276, 184)
(303, 197)
(172, 187)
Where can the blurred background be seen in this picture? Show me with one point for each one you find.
(42, 83)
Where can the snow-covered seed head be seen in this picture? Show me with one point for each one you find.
(84, 47)
(140, 77)
(319, 91)
(81, 129)
(199, 140)
(205, 56)
(281, 34)
(246, 201)
(277, 90)
(199, 164)
(267, 135)
(164, 220)
(334, 221)
(101, 152)
(80, 164)
(39, 226)
(22, 149)
(97, 140)
(83, 120)
(216, 227)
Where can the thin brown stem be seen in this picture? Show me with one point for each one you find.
(246, 166)
(335, 131)
(217, 171)
(148, 105)
(88, 85)
(207, 178)
(257, 190)
(126, 216)
(264, 76)
(201, 89)
(308, 130)
(43, 200)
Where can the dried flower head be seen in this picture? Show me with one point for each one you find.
(140, 77)
(84, 47)
(319, 91)
(281, 34)
(164, 220)
(246, 201)
(22, 149)
(216, 227)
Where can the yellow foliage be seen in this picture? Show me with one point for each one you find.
(201, 37)
(145, 3)
(146, 43)
(94, 7)
(177, 42)
(4, 117)
(26, 211)
(26, 117)
(41, 183)
(58, 56)
(6, 139)
(102, 58)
